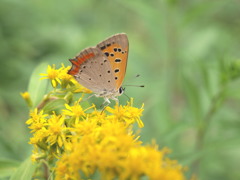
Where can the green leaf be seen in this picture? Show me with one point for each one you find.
(54, 105)
(7, 167)
(37, 87)
(25, 171)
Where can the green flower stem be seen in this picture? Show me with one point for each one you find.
(45, 101)
(49, 97)
(216, 103)
(68, 97)
(46, 170)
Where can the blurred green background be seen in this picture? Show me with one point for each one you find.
(186, 52)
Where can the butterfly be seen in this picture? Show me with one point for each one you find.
(102, 68)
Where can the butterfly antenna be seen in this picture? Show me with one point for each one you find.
(135, 85)
(138, 75)
(127, 96)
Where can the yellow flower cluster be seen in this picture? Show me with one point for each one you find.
(61, 77)
(87, 142)
(52, 131)
(81, 142)
(115, 152)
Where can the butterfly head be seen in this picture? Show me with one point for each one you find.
(121, 90)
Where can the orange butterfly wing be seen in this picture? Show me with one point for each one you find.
(116, 50)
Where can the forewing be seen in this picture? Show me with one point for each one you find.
(115, 49)
(92, 69)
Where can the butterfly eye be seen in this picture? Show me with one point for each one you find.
(121, 90)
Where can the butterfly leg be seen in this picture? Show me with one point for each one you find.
(116, 100)
(105, 103)
(106, 100)
(89, 97)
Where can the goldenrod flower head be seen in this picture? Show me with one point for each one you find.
(53, 75)
(55, 130)
(38, 136)
(84, 127)
(76, 111)
(37, 121)
(37, 126)
(25, 95)
(36, 117)
(127, 113)
(61, 76)
(97, 116)
(64, 173)
(64, 76)
(36, 155)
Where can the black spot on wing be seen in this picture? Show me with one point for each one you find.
(103, 47)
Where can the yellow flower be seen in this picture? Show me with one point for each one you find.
(25, 95)
(64, 173)
(97, 116)
(36, 155)
(76, 111)
(56, 130)
(61, 76)
(84, 127)
(36, 117)
(37, 126)
(127, 114)
(53, 75)
(64, 76)
(39, 136)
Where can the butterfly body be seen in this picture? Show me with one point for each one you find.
(102, 68)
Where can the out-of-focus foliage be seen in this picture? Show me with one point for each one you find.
(186, 52)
